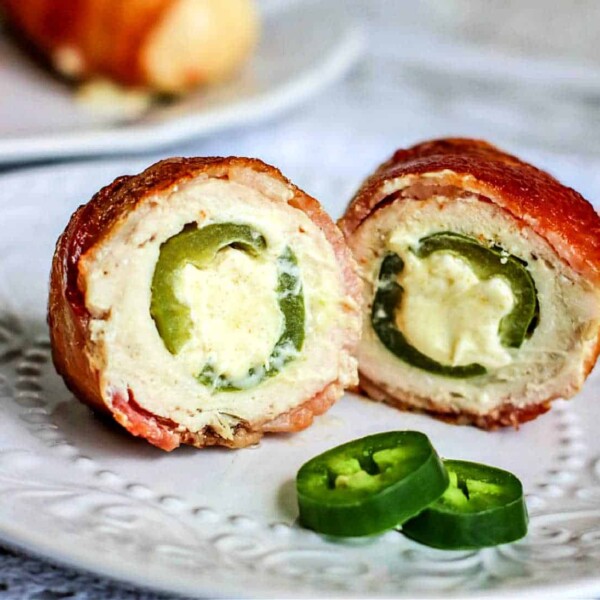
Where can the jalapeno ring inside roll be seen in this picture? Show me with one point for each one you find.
(486, 263)
(173, 319)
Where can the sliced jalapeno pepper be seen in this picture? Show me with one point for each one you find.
(486, 263)
(483, 506)
(199, 248)
(369, 485)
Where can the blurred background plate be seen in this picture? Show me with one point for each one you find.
(304, 47)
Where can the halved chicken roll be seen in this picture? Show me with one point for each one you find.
(205, 301)
(482, 296)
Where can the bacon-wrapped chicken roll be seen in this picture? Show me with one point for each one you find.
(205, 301)
(163, 45)
(482, 297)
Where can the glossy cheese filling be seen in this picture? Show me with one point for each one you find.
(449, 314)
(227, 331)
(233, 302)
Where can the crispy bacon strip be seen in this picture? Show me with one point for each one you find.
(556, 212)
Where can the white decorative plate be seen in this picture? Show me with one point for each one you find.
(304, 47)
(215, 522)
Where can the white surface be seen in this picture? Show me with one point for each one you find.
(303, 48)
(217, 522)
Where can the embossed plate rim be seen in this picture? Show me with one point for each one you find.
(586, 587)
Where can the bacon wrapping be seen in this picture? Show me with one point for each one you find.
(482, 284)
(163, 45)
(205, 301)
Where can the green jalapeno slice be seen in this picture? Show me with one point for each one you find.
(173, 318)
(483, 506)
(369, 485)
(486, 263)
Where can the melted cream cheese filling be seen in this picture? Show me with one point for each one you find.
(234, 308)
(450, 315)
